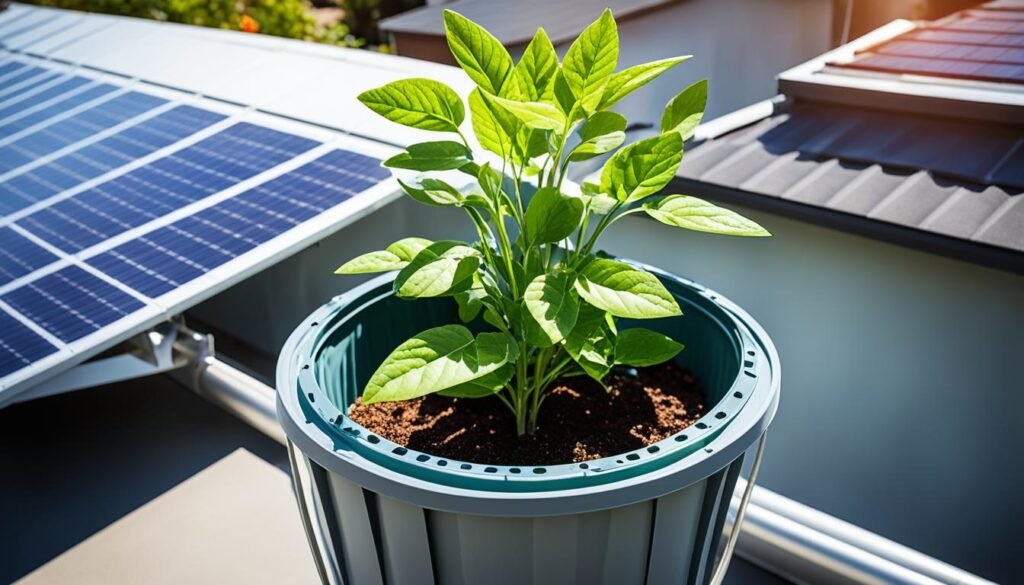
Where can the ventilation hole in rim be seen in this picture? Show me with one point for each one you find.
(681, 438)
(314, 323)
(748, 363)
(750, 352)
(619, 461)
(352, 431)
(721, 415)
(653, 449)
(749, 373)
(632, 456)
(422, 458)
(514, 470)
(702, 426)
(305, 366)
(709, 450)
(539, 470)
(373, 439)
(738, 394)
(584, 466)
(311, 397)
(466, 466)
(399, 451)
(491, 470)
(442, 463)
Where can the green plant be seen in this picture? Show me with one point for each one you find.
(534, 273)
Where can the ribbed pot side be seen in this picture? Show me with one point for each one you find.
(377, 513)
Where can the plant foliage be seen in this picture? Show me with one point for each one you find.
(533, 276)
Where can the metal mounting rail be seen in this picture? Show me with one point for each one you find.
(794, 541)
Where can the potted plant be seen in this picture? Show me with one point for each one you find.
(517, 424)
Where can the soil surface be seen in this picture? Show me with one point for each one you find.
(578, 421)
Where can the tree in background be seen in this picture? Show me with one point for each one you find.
(362, 16)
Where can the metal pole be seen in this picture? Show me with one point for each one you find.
(787, 538)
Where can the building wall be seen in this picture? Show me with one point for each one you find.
(901, 392)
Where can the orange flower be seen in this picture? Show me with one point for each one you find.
(249, 24)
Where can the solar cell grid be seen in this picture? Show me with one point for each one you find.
(167, 184)
(71, 303)
(27, 119)
(53, 137)
(20, 256)
(9, 67)
(14, 83)
(42, 96)
(26, 88)
(174, 255)
(19, 345)
(97, 158)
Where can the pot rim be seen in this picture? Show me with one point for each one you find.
(339, 445)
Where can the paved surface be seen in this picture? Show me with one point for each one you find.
(140, 482)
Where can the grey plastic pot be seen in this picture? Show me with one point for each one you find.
(377, 513)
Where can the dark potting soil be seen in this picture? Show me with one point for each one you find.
(578, 421)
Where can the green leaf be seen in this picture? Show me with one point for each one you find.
(591, 342)
(685, 111)
(442, 268)
(632, 78)
(538, 115)
(553, 305)
(493, 126)
(437, 359)
(480, 55)
(696, 214)
(563, 96)
(420, 103)
(483, 386)
(642, 168)
(591, 60)
(433, 192)
(595, 200)
(601, 133)
(643, 347)
(471, 300)
(394, 257)
(551, 216)
(624, 291)
(535, 72)
(444, 155)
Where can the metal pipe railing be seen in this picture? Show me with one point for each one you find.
(794, 541)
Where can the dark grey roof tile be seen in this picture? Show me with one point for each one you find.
(963, 214)
(1006, 226)
(831, 178)
(781, 175)
(915, 202)
(871, 188)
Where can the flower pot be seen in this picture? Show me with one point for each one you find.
(377, 513)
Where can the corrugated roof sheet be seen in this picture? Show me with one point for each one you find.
(981, 44)
(938, 176)
(515, 22)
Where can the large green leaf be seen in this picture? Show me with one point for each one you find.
(643, 347)
(696, 214)
(553, 305)
(538, 115)
(632, 78)
(443, 155)
(483, 386)
(480, 55)
(442, 268)
(596, 201)
(591, 343)
(492, 125)
(420, 103)
(535, 72)
(591, 60)
(394, 257)
(433, 192)
(601, 133)
(642, 168)
(551, 216)
(625, 291)
(437, 359)
(685, 111)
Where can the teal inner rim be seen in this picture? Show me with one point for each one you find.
(350, 336)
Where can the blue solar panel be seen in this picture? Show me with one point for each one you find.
(147, 193)
(19, 123)
(42, 96)
(19, 345)
(20, 256)
(71, 303)
(70, 130)
(171, 256)
(10, 67)
(100, 157)
(14, 94)
(23, 74)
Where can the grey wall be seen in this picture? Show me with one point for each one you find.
(902, 397)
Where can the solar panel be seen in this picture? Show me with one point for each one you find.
(93, 160)
(49, 111)
(165, 185)
(53, 137)
(19, 345)
(42, 96)
(171, 256)
(20, 256)
(9, 67)
(20, 80)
